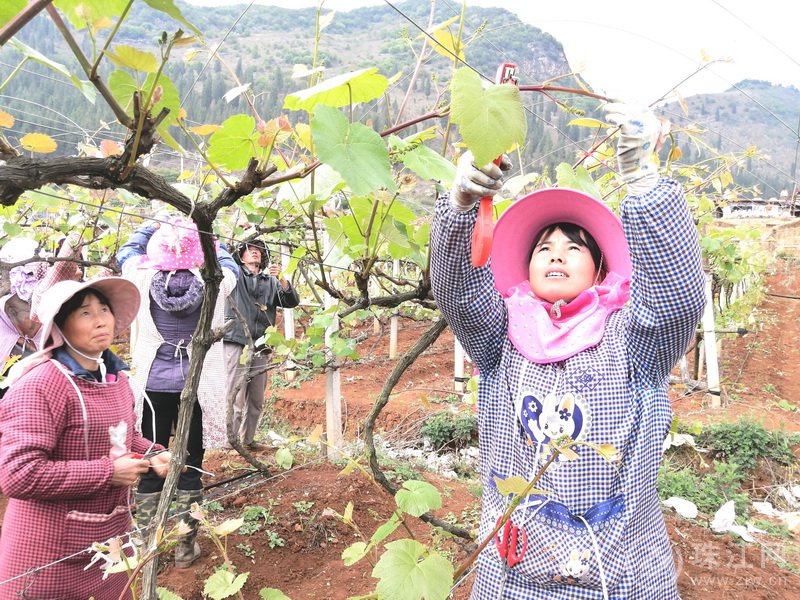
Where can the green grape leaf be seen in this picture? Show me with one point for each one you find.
(86, 88)
(224, 584)
(163, 593)
(343, 347)
(9, 10)
(170, 98)
(418, 497)
(12, 229)
(404, 574)
(272, 594)
(354, 553)
(297, 255)
(345, 236)
(491, 121)
(426, 163)
(43, 201)
(122, 86)
(348, 88)
(133, 58)
(168, 7)
(516, 486)
(385, 530)
(421, 234)
(402, 213)
(577, 179)
(284, 458)
(166, 136)
(234, 143)
(355, 151)
(395, 233)
(324, 183)
(81, 13)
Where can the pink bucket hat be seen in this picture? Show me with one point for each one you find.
(123, 296)
(175, 245)
(519, 224)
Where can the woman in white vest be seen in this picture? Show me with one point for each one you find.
(163, 263)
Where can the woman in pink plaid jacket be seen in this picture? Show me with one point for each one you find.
(68, 447)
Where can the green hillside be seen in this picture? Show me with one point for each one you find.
(753, 113)
(261, 45)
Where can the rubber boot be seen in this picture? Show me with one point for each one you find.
(188, 549)
(146, 505)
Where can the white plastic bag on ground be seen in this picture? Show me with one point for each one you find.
(723, 522)
(685, 508)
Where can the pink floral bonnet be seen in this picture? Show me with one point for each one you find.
(174, 246)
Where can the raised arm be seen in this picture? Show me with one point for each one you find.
(226, 261)
(465, 294)
(136, 244)
(284, 294)
(667, 287)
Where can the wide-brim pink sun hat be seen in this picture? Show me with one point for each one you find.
(123, 298)
(518, 225)
(174, 246)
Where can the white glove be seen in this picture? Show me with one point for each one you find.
(471, 183)
(641, 134)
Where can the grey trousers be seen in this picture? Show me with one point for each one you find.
(249, 401)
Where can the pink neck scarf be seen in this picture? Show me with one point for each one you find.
(542, 338)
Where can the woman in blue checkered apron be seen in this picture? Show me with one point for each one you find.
(574, 329)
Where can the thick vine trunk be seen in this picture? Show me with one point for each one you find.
(405, 361)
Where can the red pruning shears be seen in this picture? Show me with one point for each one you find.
(482, 235)
(138, 456)
(508, 543)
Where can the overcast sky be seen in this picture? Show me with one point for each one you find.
(637, 50)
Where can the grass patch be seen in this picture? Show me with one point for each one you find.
(744, 442)
(708, 492)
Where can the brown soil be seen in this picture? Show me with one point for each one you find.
(309, 564)
(757, 369)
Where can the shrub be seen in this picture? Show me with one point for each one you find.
(745, 442)
(446, 429)
(399, 473)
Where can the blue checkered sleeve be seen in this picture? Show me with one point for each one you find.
(667, 287)
(465, 294)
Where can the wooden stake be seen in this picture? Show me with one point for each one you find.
(394, 319)
(458, 367)
(288, 317)
(710, 346)
(333, 391)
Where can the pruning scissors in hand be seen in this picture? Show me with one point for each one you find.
(149, 454)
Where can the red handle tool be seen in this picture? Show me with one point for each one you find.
(508, 543)
(141, 456)
(484, 226)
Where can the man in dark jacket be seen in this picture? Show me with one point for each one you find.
(257, 295)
